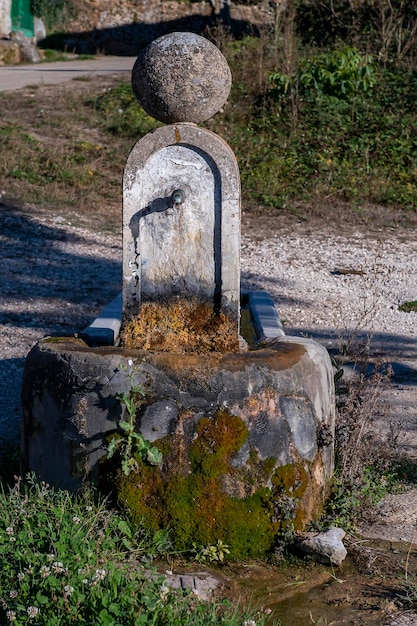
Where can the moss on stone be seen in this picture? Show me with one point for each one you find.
(189, 492)
(203, 495)
(293, 495)
(218, 439)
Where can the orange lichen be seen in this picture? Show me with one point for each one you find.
(180, 326)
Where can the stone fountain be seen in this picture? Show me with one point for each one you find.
(246, 431)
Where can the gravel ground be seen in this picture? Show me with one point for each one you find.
(338, 288)
(334, 287)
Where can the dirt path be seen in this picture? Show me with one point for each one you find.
(18, 76)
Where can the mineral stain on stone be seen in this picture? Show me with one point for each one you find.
(179, 326)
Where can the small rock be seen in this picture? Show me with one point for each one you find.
(30, 53)
(201, 584)
(28, 49)
(10, 53)
(326, 547)
(39, 28)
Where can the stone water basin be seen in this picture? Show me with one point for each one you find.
(252, 428)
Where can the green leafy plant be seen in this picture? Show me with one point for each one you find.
(132, 443)
(341, 73)
(64, 559)
(212, 553)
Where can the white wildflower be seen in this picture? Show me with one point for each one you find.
(11, 616)
(20, 576)
(76, 519)
(13, 594)
(249, 622)
(68, 590)
(100, 574)
(88, 508)
(45, 571)
(85, 581)
(32, 611)
(50, 557)
(58, 567)
(10, 531)
(164, 592)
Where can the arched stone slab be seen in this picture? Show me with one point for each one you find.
(187, 249)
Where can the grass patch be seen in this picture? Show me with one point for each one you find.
(408, 307)
(50, 55)
(69, 559)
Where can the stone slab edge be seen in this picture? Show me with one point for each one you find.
(264, 316)
(104, 330)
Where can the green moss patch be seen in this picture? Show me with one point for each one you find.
(189, 493)
(204, 494)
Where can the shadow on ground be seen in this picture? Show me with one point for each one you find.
(129, 39)
(53, 280)
(50, 277)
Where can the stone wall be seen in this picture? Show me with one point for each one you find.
(124, 27)
(105, 14)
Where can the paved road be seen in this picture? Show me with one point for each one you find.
(18, 76)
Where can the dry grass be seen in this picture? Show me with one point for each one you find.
(55, 153)
(359, 444)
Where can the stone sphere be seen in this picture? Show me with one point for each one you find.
(181, 77)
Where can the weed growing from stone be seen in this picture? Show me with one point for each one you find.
(132, 443)
(215, 553)
(67, 559)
